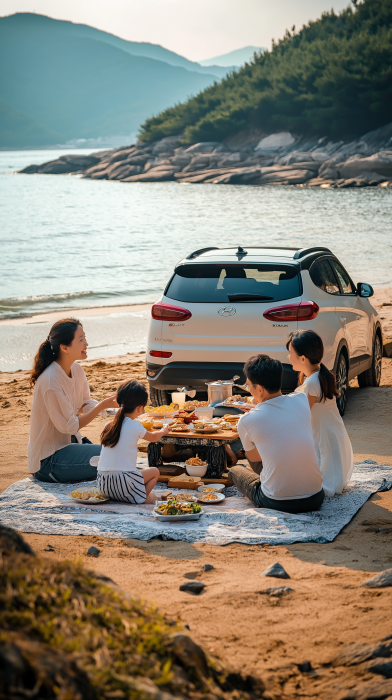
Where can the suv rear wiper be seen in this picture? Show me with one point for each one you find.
(248, 297)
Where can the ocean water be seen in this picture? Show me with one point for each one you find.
(70, 243)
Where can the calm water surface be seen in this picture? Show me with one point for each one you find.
(67, 242)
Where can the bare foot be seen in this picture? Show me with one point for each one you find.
(231, 455)
(151, 498)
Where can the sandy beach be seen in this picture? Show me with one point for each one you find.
(254, 632)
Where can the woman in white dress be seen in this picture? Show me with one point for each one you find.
(333, 446)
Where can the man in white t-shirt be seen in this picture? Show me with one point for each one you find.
(278, 432)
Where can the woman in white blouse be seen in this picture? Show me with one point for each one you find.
(333, 446)
(61, 407)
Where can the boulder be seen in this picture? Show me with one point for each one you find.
(159, 174)
(166, 145)
(354, 654)
(30, 170)
(379, 163)
(122, 154)
(328, 171)
(203, 147)
(291, 177)
(381, 580)
(125, 171)
(387, 350)
(353, 182)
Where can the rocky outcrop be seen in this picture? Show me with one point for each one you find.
(245, 160)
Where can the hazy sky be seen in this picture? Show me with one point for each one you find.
(197, 29)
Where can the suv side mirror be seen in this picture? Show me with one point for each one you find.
(364, 289)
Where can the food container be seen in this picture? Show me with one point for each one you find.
(147, 424)
(206, 413)
(192, 470)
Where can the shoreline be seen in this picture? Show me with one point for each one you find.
(88, 312)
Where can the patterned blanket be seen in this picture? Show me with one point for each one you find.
(32, 506)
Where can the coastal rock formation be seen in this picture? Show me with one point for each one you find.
(245, 159)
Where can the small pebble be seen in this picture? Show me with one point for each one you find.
(191, 574)
(49, 548)
(278, 592)
(276, 571)
(305, 667)
(206, 567)
(193, 587)
(93, 552)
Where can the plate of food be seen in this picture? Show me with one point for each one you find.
(191, 405)
(237, 399)
(211, 498)
(208, 428)
(162, 411)
(90, 496)
(179, 428)
(173, 510)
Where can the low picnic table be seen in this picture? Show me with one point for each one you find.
(216, 455)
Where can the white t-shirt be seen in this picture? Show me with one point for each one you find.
(57, 399)
(123, 457)
(333, 446)
(281, 430)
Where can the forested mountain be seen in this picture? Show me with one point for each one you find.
(58, 83)
(333, 77)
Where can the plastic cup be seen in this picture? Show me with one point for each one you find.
(179, 397)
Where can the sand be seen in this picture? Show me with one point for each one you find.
(232, 618)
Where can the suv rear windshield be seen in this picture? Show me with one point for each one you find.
(234, 282)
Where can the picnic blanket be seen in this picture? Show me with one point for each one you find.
(33, 506)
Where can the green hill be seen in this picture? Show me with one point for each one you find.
(80, 87)
(333, 77)
(18, 130)
(31, 22)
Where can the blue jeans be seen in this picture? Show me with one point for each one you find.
(70, 464)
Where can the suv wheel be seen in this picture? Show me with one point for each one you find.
(159, 397)
(372, 376)
(342, 383)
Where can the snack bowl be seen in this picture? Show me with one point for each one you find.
(195, 470)
(215, 487)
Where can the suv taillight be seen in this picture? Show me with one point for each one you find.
(304, 311)
(167, 312)
(160, 353)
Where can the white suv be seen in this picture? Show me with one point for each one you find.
(223, 305)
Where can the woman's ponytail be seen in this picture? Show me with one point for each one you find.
(310, 345)
(130, 396)
(61, 333)
(327, 381)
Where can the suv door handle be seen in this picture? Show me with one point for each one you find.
(343, 320)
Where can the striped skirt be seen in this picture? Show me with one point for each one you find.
(122, 486)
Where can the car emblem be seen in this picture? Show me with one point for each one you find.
(227, 311)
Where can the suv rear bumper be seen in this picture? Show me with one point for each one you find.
(194, 375)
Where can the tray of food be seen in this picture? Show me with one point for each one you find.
(211, 498)
(191, 405)
(173, 510)
(161, 411)
(90, 496)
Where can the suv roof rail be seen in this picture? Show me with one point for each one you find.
(304, 251)
(196, 253)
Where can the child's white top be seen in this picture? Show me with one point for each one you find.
(123, 457)
(333, 446)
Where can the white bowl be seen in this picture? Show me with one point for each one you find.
(195, 471)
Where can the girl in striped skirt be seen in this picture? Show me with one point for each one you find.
(117, 476)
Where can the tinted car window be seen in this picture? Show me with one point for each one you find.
(323, 276)
(342, 277)
(234, 282)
